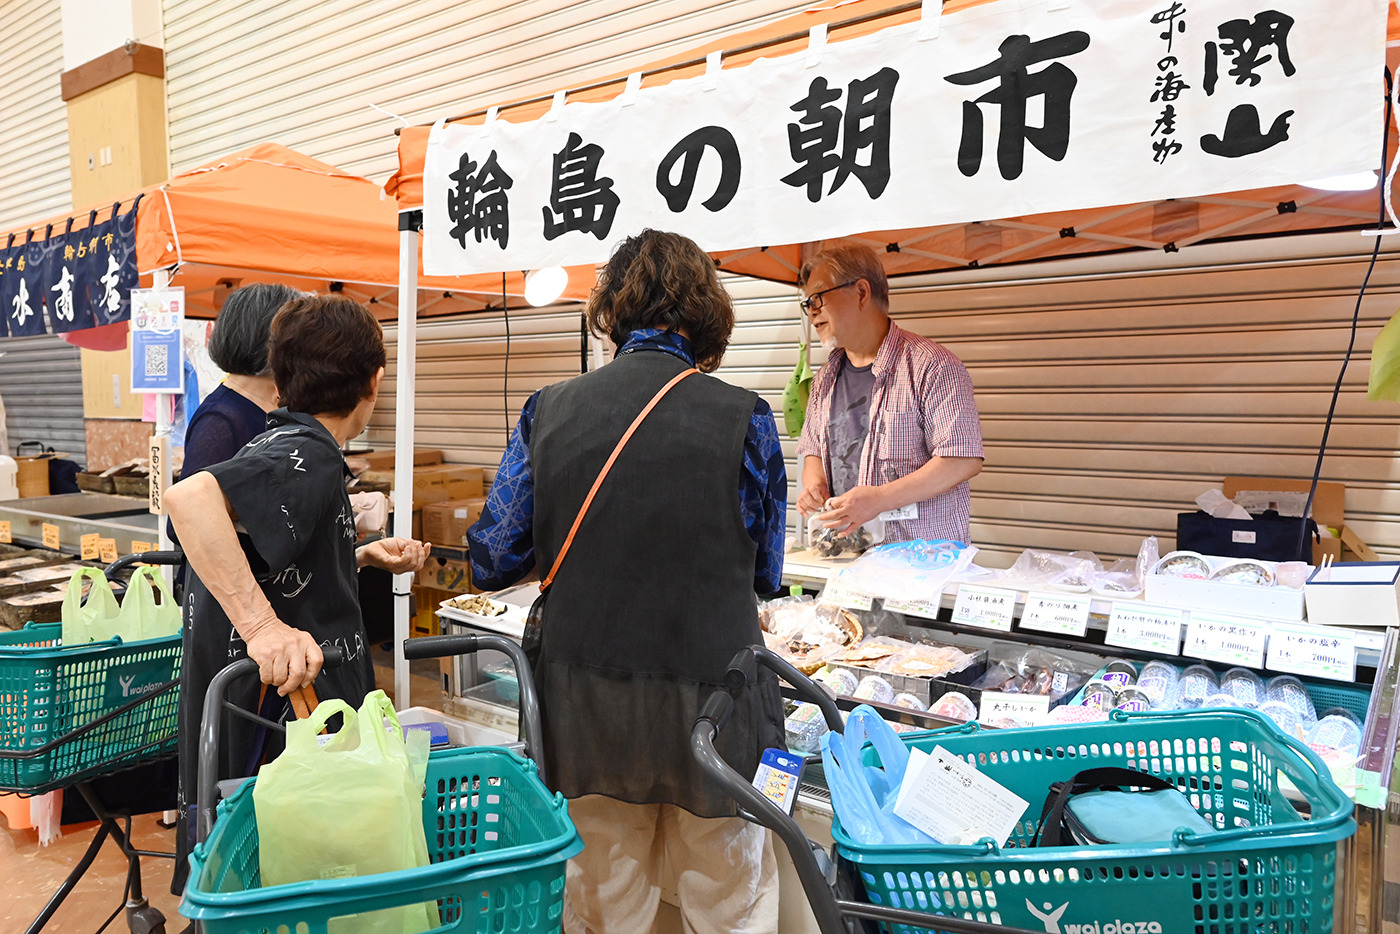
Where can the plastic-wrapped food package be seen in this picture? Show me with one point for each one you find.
(1244, 685)
(874, 688)
(1197, 683)
(913, 570)
(954, 705)
(1074, 713)
(1287, 689)
(1031, 670)
(828, 543)
(870, 652)
(1285, 716)
(925, 661)
(839, 681)
(909, 702)
(1073, 572)
(805, 728)
(807, 632)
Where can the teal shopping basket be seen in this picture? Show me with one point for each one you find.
(497, 838)
(1270, 867)
(71, 712)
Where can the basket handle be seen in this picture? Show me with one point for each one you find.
(1336, 805)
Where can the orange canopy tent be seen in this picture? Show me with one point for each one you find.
(267, 213)
(1168, 225)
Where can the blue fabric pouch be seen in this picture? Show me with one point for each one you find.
(1116, 806)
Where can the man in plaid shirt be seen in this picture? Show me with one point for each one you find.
(892, 427)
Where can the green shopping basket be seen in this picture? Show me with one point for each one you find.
(497, 839)
(70, 712)
(1269, 867)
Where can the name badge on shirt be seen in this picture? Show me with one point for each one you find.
(903, 512)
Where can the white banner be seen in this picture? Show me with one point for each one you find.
(1009, 109)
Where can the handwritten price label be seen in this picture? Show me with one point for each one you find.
(88, 545)
(5, 532)
(107, 550)
(1143, 626)
(1057, 613)
(50, 536)
(1231, 640)
(1028, 708)
(985, 607)
(139, 548)
(1321, 651)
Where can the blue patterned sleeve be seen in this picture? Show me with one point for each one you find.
(763, 497)
(502, 541)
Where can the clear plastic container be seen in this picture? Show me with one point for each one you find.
(1289, 690)
(1245, 686)
(1197, 683)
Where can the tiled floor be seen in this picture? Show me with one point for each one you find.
(30, 874)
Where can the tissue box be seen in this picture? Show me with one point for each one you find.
(1355, 594)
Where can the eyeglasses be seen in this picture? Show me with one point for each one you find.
(813, 302)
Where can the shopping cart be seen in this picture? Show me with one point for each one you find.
(497, 839)
(69, 715)
(1269, 867)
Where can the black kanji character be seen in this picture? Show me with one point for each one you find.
(579, 198)
(1170, 16)
(865, 125)
(1055, 83)
(1163, 148)
(1166, 121)
(1243, 135)
(1169, 87)
(689, 152)
(1245, 40)
(478, 204)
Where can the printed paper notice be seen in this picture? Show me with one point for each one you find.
(954, 803)
(1230, 640)
(1057, 613)
(1143, 626)
(985, 607)
(1320, 651)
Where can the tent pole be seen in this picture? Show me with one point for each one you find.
(160, 279)
(404, 388)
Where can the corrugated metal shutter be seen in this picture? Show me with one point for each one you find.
(41, 382)
(1112, 394)
(34, 143)
(304, 72)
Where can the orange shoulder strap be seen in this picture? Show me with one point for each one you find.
(587, 500)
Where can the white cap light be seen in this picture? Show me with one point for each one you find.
(543, 286)
(1354, 181)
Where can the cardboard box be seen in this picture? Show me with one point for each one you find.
(447, 575)
(446, 523)
(425, 620)
(433, 484)
(1355, 594)
(1328, 508)
(384, 460)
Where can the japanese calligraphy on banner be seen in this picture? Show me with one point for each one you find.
(1011, 109)
(71, 279)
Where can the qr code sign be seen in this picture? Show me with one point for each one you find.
(157, 361)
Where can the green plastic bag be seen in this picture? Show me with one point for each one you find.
(350, 806)
(796, 393)
(95, 619)
(141, 616)
(1384, 382)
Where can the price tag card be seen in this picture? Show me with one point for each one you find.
(107, 550)
(89, 546)
(1321, 651)
(1027, 708)
(779, 772)
(985, 607)
(953, 802)
(139, 548)
(1056, 612)
(1144, 626)
(5, 532)
(51, 536)
(923, 608)
(1231, 640)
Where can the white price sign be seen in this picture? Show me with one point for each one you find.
(985, 607)
(1027, 708)
(1143, 626)
(1057, 613)
(1321, 651)
(1231, 640)
(925, 608)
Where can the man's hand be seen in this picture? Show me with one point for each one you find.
(854, 508)
(287, 658)
(395, 555)
(814, 487)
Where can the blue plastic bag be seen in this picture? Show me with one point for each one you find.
(863, 795)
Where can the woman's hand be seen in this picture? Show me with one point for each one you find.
(395, 555)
